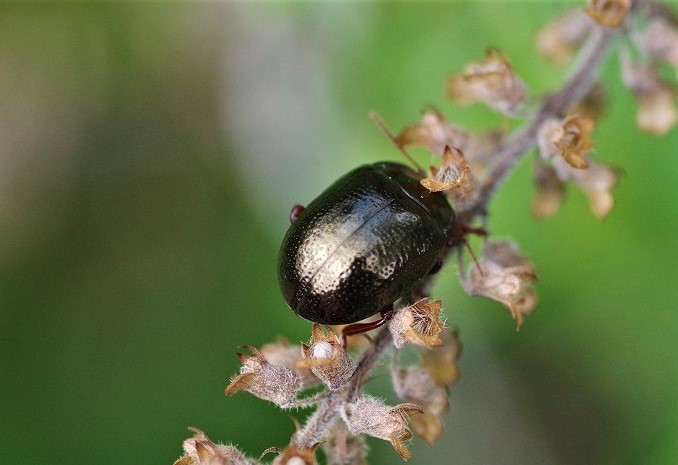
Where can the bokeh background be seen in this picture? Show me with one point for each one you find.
(149, 155)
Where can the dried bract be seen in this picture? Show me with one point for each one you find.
(491, 82)
(433, 133)
(659, 40)
(415, 384)
(368, 415)
(418, 324)
(502, 274)
(282, 353)
(568, 138)
(596, 181)
(327, 359)
(656, 100)
(343, 448)
(550, 191)
(200, 450)
(257, 376)
(441, 362)
(454, 175)
(610, 13)
(557, 40)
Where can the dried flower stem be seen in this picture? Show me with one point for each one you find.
(323, 418)
(574, 88)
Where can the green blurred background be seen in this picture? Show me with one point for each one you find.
(149, 155)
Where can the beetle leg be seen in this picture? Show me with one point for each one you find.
(360, 328)
(296, 212)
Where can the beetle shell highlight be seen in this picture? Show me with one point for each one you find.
(362, 244)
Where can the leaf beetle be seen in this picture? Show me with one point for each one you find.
(362, 244)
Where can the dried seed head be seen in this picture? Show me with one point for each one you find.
(610, 13)
(558, 39)
(659, 40)
(491, 82)
(200, 450)
(418, 324)
(368, 415)
(441, 362)
(433, 133)
(454, 175)
(550, 191)
(568, 138)
(596, 181)
(502, 274)
(327, 359)
(656, 100)
(343, 448)
(257, 376)
(283, 354)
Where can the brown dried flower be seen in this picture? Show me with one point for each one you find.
(568, 138)
(200, 450)
(454, 175)
(502, 274)
(326, 358)
(656, 100)
(434, 133)
(660, 40)
(550, 191)
(418, 324)
(558, 39)
(343, 448)
(441, 362)
(257, 376)
(282, 353)
(596, 181)
(610, 13)
(490, 81)
(368, 415)
(415, 384)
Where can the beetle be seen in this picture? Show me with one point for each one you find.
(362, 244)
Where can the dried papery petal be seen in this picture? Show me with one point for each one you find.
(282, 353)
(434, 133)
(596, 181)
(454, 174)
(257, 376)
(656, 100)
(550, 191)
(557, 40)
(295, 455)
(368, 415)
(568, 138)
(428, 426)
(418, 324)
(574, 143)
(415, 384)
(327, 359)
(502, 274)
(343, 448)
(200, 450)
(491, 82)
(441, 362)
(659, 40)
(610, 13)
(657, 112)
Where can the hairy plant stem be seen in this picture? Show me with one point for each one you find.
(510, 154)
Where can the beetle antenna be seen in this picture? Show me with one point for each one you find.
(376, 119)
